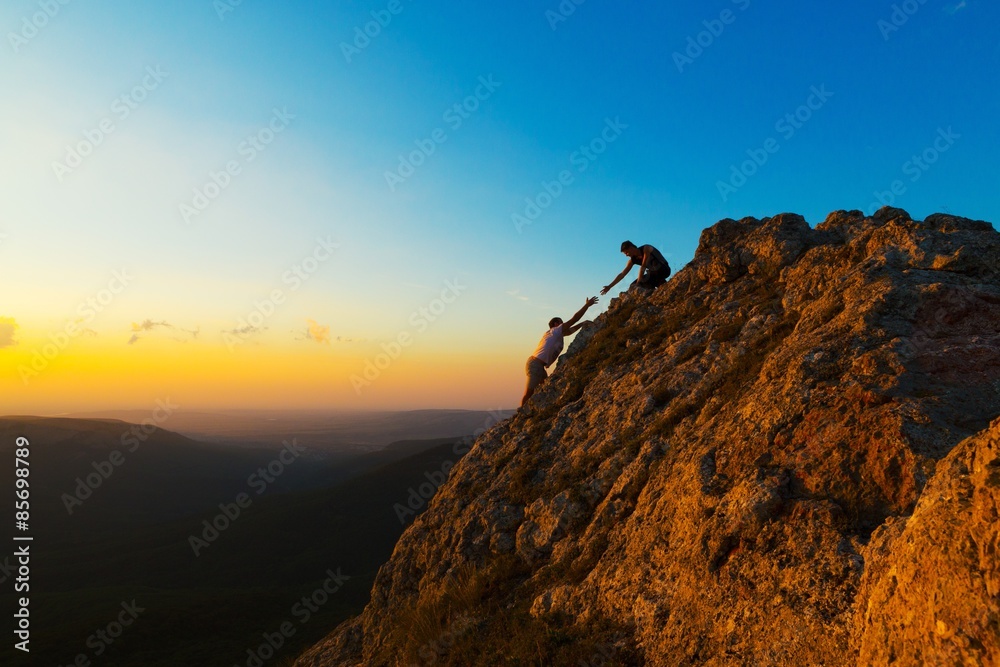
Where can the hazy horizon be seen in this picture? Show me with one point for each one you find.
(328, 430)
(96, 413)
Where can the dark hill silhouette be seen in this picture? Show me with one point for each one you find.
(322, 430)
(167, 476)
(209, 609)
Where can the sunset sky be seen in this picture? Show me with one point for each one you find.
(243, 204)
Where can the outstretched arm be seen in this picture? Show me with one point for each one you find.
(628, 267)
(568, 325)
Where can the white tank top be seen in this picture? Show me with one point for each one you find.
(550, 346)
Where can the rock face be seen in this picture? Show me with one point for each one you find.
(932, 590)
(781, 457)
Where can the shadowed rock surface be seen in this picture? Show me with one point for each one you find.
(757, 464)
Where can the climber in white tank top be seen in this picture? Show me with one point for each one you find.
(549, 348)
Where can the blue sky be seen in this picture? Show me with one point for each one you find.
(893, 90)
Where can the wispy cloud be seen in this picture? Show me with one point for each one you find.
(318, 332)
(248, 330)
(517, 295)
(193, 333)
(7, 328)
(84, 331)
(150, 325)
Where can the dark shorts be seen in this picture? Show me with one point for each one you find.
(653, 279)
(535, 370)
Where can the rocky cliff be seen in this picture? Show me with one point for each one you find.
(784, 456)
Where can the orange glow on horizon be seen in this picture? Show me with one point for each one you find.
(93, 373)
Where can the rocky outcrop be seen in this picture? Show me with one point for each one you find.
(756, 464)
(931, 591)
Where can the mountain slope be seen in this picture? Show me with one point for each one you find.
(720, 473)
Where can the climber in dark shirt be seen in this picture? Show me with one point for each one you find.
(653, 268)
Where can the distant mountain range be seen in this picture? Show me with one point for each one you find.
(137, 517)
(319, 429)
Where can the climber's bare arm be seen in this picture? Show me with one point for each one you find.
(628, 267)
(567, 326)
(642, 268)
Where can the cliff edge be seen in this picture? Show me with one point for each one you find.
(784, 456)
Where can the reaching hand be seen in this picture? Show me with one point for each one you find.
(607, 288)
(591, 301)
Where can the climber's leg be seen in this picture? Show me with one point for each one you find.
(535, 371)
